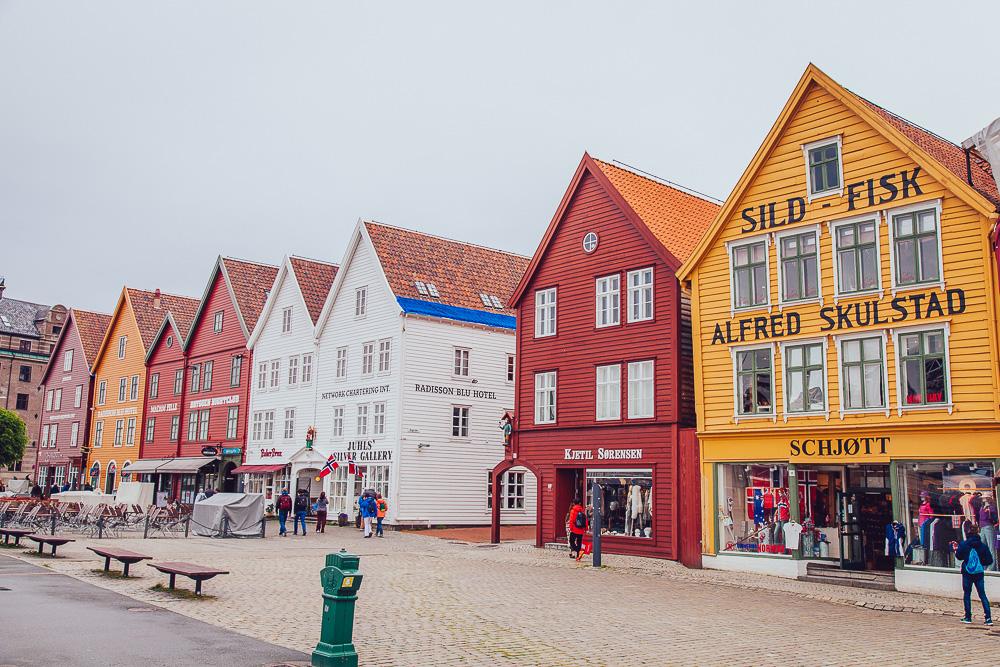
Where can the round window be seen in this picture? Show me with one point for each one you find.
(170, 341)
(590, 242)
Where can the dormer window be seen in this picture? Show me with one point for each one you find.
(824, 170)
(421, 287)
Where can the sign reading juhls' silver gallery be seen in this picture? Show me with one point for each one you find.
(363, 451)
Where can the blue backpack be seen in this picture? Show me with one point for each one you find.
(972, 564)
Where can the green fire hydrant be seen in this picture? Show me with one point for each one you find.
(341, 582)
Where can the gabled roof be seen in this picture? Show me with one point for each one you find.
(671, 220)
(149, 316)
(91, 327)
(248, 284)
(315, 279)
(943, 160)
(20, 318)
(460, 271)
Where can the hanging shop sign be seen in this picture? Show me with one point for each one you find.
(454, 391)
(911, 307)
(823, 447)
(232, 451)
(218, 400)
(209, 451)
(163, 407)
(601, 454)
(359, 391)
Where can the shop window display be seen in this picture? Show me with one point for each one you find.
(754, 509)
(628, 501)
(941, 501)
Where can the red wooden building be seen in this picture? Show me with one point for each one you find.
(604, 377)
(202, 386)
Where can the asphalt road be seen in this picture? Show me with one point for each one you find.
(51, 619)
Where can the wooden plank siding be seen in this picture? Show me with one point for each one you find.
(164, 360)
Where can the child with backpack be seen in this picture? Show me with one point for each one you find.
(975, 557)
(381, 507)
(284, 507)
(577, 527)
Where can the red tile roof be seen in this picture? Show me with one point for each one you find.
(949, 155)
(315, 279)
(91, 327)
(677, 218)
(250, 282)
(460, 271)
(150, 318)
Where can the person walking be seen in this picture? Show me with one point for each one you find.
(301, 508)
(577, 527)
(284, 505)
(381, 507)
(200, 496)
(321, 507)
(368, 512)
(975, 557)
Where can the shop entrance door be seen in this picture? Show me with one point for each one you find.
(852, 553)
(865, 509)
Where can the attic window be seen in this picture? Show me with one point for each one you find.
(170, 341)
(491, 301)
(496, 302)
(5, 320)
(485, 298)
(433, 290)
(421, 287)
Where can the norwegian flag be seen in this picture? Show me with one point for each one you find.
(354, 469)
(330, 466)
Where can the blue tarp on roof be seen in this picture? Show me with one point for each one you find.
(435, 309)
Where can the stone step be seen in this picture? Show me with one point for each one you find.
(853, 583)
(558, 546)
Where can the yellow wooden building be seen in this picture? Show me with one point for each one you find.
(846, 350)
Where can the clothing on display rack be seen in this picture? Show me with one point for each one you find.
(792, 531)
(895, 537)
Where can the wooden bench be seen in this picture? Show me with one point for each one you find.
(52, 540)
(121, 555)
(197, 572)
(16, 533)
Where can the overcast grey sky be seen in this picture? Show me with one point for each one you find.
(139, 140)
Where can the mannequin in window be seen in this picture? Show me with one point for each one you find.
(633, 508)
(988, 527)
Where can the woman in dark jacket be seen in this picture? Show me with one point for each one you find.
(976, 578)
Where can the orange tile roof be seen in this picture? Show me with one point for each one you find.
(677, 218)
(91, 327)
(460, 271)
(250, 282)
(150, 318)
(315, 279)
(949, 155)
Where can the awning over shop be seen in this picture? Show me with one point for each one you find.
(144, 466)
(185, 465)
(270, 467)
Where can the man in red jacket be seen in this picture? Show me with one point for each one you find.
(577, 527)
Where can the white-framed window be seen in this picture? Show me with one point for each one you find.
(293, 370)
(384, 354)
(178, 381)
(289, 423)
(98, 434)
(338, 421)
(460, 367)
(54, 435)
(257, 426)
(590, 241)
(232, 422)
(640, 295)
(609, 392)
(512, 493)
(608, 294)
(275, 374)
(268, 425)
(286, 320)
(74, 434)
(307, 368)
(150, 428)
(460, 421)
(749, 270)
(102, 392)
(195, 378)
(361, 301)
(130, 432)
(58, 400)
(119, 432)
(915, 241)
(545, 312)
(44, 440)
(122, 342)
(262, 375)
(799, 277)
(203, 419)
(67, 361)
(378, 418)
(753, 381)
(864, 385)
(362, 421)
(122, 389)
(922, 367)
(545, 397)
(49, 397)
(193, 426)
(133, 393)
(154, 385)
(341, 369)
(78, 396)
(236, 371)
(804, 377)
(824, 168)
(511, 367)
(640, 390)
(60, 476)
(175, 427)
(206, 375)
(217, 323)
(857, 262)
(367, 358)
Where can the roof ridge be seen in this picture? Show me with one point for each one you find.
(89, 312)
(30, 303)
(313, 259)
(162, 293)
(445, 238)
(658, 181)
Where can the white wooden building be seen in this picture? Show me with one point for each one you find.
(415, 368)
(285, 374)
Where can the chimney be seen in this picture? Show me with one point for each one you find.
(156, 299)
(3, 285)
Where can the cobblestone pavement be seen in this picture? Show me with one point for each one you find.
(428, 601)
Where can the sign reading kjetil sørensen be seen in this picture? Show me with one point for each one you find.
(865, 446)
(601, 454)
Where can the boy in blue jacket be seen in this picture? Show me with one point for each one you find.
(975, 557)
